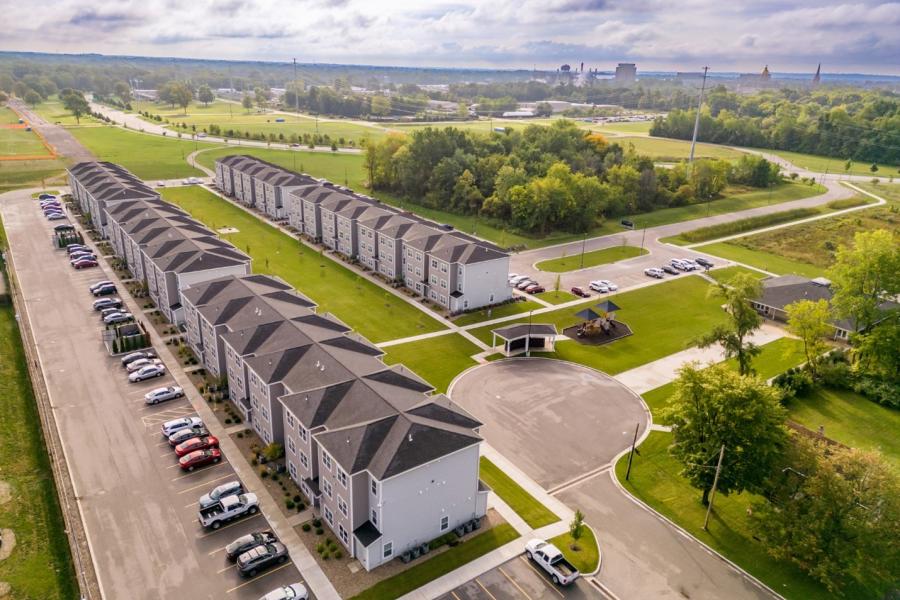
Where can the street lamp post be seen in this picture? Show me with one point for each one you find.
(528, 339)
(583, 243)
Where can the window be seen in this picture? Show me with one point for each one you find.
(326, 486)
(443, 268)
(374, 488)
(434, 279)
(290, 420)
(329, 516)
(304, 460)
(291, 446)
(419, 256)
(342, 506)
(374, 517)
(388, 549)
(293, 469)
(343, 534)
(342, 476)
(409, 252)
(302, 431)
(434, 263)
(418, 272)
(326, 460)
(443, 284)
(445, 523)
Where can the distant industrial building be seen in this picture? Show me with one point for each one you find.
(626, 73)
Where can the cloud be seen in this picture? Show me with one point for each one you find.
(89, 18)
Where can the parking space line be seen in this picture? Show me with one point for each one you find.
(173, 406)
(217, 550)
(194, 487)
(224, 527)
(237, 587)
(228, 568)
(512, 581)
(166, 454)
(452, 593)
(541, 575)
(481, 585)
(202, 469)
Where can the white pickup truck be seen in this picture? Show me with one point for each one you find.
(228, 508)
(552, 560)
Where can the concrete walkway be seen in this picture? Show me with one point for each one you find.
(660, 372)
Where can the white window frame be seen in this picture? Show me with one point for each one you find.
(445, 523)
(342, 506)
(326, 460)
(387, 550)
(329, 515)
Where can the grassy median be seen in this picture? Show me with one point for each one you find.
(590, 259)
(524, 504)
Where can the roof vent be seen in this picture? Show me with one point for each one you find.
(409, 438)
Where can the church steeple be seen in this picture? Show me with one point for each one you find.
(765, 72)
(817, 78)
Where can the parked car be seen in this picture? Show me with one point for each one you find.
(669, 269)
(82, 255)
(524, 283)
(108, 311)
(627, 223)
(535, 289)
(517, 279)
(704, 262)
(160, 183)
(580, 292)
(200, 458)
(99, 284)
(609, 285)
(71, 248)
(295, 591)
(228, 508)
(118, 317)
(84, 263)
(690, 264)
(63, 227)
(229, 488)
(183, 435)
(147, 372)
(511, 276)
(246, 542)
(46, 196)
(55, 216)
(598, 286)
(196, 444)
(106, 290)
(140, 363)
(260, 558)
(549, 558)
(170, 427)
(654, 272)
(130, 358)
(679, 264)
(104, 303)
(163, 394)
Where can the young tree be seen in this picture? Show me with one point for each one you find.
(743, 320)
(716, 406)
(182, 94)
(205, 95)
(835, 513)
(247, 102)
(576, 528)
(865, 276)
(808, 320)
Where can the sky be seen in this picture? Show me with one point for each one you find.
(727, 35)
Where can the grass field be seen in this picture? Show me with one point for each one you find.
(432, 568)
(589, 259)
(40, 565)
(775, 358)
(557, 297)
(147, 156)
(19, 142)
(655, 480)
(888, 191)
(669, 150)
(438, 360)
(524, 504)
(485, 314)
(821, 164)
(726, 273)
(375, 313)
(850, 419)
(27, 173)
(762, 260)
(664, 318)
(53, 111)
(587, 557)
(8, 116)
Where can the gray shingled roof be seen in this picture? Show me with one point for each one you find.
(518, 330)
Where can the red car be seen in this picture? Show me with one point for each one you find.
(204, 442)
(84, 263)
(580, 292)
(199, 458)
(534, 289)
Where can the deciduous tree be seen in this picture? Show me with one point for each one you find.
(205, 95)
(247, 102)
(808, 320)
(865, 276)
(743, 320)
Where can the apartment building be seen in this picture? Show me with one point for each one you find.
(258, 183)
(97, 186)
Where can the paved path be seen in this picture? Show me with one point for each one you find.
(58, 137)
(660, 372)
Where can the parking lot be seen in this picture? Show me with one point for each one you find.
(139, 508)
(520, 579)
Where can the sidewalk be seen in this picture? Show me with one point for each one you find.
(660, 372)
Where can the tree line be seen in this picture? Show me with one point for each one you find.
(848, 124)
(543, 178)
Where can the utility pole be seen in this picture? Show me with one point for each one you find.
(697, 118)
(631, 454)
(296, 92)
(712, 494)
(528, 339)
(583, 242)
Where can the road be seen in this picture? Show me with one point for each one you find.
(58, 137)
(519, 579)
(138, 508)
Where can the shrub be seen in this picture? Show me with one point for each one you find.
(741, 225)
(882, 392)
(846, 203)
(326, 555)
(320, 531)
(254, 462)
(300, 507)
(273, 451)
(338, 555)
(264, 473)
(320, 548)
(306, 527)
(297, 498)
(228, 421)
(317, 522)
(793, 382)
(289, 504)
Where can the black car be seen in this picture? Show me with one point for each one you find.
(260, 558)
(130, 358)
(627, 224)
(105, 290)
(669, 269)
(248, 542)
(704, 263)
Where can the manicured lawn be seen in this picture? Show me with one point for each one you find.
(53, 111)
(726, 273)
(147, 156)
(375, 313)
(821, 164)
(590, 259)
(438, 360)
(524, 504)
(669, 150)
(851, 419)
(762, 260)
(775, 358)
(557, 297)
(664, 318)
(429, 569)
(587, 557)
(27, 173)
(40, 565)
(655, 480)
(513, 308)
(8, 116)
(19, 142)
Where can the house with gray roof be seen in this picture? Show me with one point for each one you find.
(258, 183)
(97, 186)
